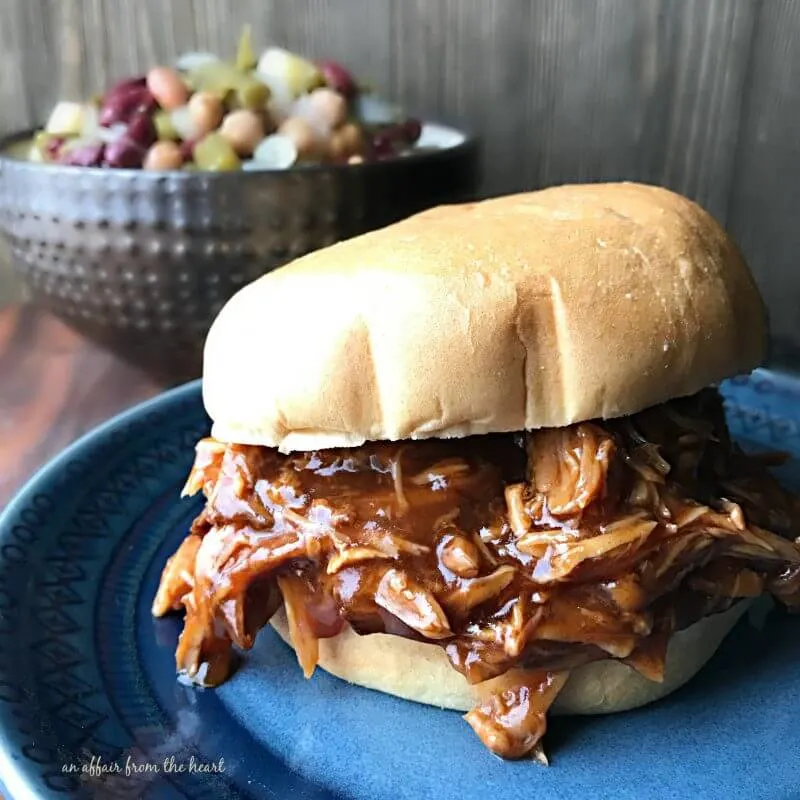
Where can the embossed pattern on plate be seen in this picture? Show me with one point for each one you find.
(85, 671)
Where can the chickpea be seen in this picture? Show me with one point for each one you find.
(268, 121)
(163, 155)
(337, 148)
(303, 137)
(167, 88)
(346, 143)
(330, 106)
(243, 129)
(205, 110)
(353, 138)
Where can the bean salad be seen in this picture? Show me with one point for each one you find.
(274, 111)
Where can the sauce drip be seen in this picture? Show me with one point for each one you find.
(522, 556)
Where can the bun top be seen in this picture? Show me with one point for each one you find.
(527, 311)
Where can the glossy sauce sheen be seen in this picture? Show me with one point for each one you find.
(446, 488)
(519, 555)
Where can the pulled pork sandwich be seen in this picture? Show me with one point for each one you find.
(469, 460)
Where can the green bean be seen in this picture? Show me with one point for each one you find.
(214, 76)
(245, 57)
(214, 153)
(234, 88)
(164, 128)
(252, 94)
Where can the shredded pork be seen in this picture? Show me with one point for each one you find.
(522, 556)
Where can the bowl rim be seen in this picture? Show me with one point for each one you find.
(467, 146)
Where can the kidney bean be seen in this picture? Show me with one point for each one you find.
(142, 130)
(87, 155)
(412, 128)
(383, 143)
(124, 153)
(120, 104)
(53, 146)
(338, 78)
(187, 149)
(129, 83)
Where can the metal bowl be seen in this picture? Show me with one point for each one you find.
(141, 262)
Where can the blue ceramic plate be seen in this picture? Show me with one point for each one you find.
(91, 708)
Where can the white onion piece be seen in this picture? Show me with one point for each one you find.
(374, 110)
(35, 154)
(287, 74)
(66, 119)
(275, 152)
(279, 106)
(75, 144)
(280, 92)
(189, 61)
(90, 121)
(111, 134)
(184, 124)
(305, 108)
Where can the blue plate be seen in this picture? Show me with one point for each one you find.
(90, 706)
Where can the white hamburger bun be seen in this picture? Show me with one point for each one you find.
(421, 672)
(528, 311)
(533, 310)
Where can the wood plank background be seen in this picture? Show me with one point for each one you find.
(699, 95)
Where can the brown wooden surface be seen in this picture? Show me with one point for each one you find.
(54, 386)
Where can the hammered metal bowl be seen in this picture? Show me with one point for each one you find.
(141, 262)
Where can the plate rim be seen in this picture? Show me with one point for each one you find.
(16, 778)
(86, 439)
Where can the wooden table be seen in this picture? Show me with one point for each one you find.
(54, 386)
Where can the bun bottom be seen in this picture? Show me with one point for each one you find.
(421, 672)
